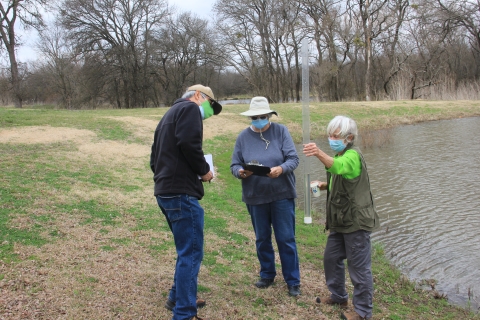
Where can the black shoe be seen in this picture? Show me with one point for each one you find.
(170, 304)
(294, 290)
(264, 283)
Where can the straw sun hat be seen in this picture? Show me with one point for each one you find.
(258, 106)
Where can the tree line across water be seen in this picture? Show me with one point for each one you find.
(130, 54)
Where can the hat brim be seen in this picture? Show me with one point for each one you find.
(258, 112)
(217, 107)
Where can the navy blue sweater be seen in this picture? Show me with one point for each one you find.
(177, 156)
(280, 152)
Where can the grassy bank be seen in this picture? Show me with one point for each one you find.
(81, 236)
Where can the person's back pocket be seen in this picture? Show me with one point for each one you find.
(172, 206)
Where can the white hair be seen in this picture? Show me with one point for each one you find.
(188, 94)
(346, 125)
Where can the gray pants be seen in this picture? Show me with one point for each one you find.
(356, 248)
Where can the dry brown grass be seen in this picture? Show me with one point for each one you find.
(85, 272)
(44, 134)
(76, 278)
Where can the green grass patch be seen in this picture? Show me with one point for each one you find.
(96, 212)
(48, 195)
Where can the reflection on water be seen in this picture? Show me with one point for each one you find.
(426, 184)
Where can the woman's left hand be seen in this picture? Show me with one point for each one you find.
(275, 172)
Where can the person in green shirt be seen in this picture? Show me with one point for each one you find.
(351, 216)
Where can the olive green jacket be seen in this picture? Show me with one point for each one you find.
(350, 205)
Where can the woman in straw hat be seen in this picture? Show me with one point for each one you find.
(264, 159)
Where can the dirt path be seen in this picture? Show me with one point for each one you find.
(88, 144)
(140, 127)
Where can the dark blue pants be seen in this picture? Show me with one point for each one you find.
(185, 218)
(280, 215)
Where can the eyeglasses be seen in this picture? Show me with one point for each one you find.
(204, 96)
(261, 117)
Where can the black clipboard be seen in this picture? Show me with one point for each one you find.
(256, 169)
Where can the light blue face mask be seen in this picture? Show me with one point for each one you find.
(337, 145)
(259, 123)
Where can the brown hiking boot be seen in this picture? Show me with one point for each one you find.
(351, 316)
(170, 304)
(201, 303)
(330, 302)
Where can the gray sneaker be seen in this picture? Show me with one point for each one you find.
(264, 283)
(294, 290)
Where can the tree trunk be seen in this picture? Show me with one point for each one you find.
(16, 85)
(368, 72)
(15, 80)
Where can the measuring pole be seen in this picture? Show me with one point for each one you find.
(306, 128)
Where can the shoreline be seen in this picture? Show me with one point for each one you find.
(83, 238)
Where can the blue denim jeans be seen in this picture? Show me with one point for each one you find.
(356, 248)
(280, 215)
(185, 218)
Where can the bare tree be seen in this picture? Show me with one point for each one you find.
(260, 39)
(392, 44)
(333, 40)
(28, 14)
(4, 87)
(60, 62)
(38, 87)
(465, 14)
(239, 44)
(288, 35)
(120, 30)
(373, 23)
(183, 52)
(136, 53)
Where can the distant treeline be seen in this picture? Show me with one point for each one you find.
(129, 54)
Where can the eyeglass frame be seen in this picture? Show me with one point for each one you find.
(204, 96)
(260, 117)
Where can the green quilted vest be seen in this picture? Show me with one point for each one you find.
(350, 205)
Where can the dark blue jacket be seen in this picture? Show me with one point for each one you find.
(177, 156)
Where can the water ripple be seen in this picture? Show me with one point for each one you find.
(426, 186)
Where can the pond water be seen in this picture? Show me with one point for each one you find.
(234, 101)
(426, 184)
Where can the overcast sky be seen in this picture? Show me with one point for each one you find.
(202, 8)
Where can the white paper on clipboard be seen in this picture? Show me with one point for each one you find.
(209, 159)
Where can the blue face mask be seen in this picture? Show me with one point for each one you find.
(259, 123)
(337, 145)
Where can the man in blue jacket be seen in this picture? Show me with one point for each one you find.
(179, 168)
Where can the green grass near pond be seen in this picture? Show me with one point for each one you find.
(70, 216)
